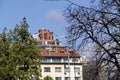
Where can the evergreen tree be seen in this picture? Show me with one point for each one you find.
(19, 55)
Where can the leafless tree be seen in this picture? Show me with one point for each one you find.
(99, 25)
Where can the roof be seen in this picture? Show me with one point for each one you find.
(47, 54)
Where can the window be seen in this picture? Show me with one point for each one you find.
(57, 69)
(66, 60)
(77, 78)
(74, 60)
(62, 51)
(76, 69)
(67, 78)
(46, 59)
(56, 60)
(67, 69)
(46, 69)
(57, 78)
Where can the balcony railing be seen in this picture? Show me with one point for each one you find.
(62, 60)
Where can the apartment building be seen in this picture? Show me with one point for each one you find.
(59, 62)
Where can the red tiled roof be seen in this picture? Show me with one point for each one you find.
(46, 54)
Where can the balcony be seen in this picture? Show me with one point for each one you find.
(60, 60)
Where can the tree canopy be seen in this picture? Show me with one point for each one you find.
(48, 78)
(98, 25)
(19, 55)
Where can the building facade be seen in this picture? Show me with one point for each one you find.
(59, 62)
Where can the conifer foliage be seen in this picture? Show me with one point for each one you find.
(19, 55)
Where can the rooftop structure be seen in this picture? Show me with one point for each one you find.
(46, 38)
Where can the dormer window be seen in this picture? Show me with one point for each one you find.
(62, 51)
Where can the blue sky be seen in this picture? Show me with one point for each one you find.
(39, 13)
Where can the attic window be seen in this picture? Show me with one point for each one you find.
(70, 51)
(51, 51)
(62, 51)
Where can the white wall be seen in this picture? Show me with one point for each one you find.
(62, 73)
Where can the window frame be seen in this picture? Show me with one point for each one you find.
(76, 69)
(77, 78)
(67, 69)
(57, 69)
(46, 60)
(47, 69)
(57, 60)
(74, 60)
(67, 78)
(66, 60)
(58, 78)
